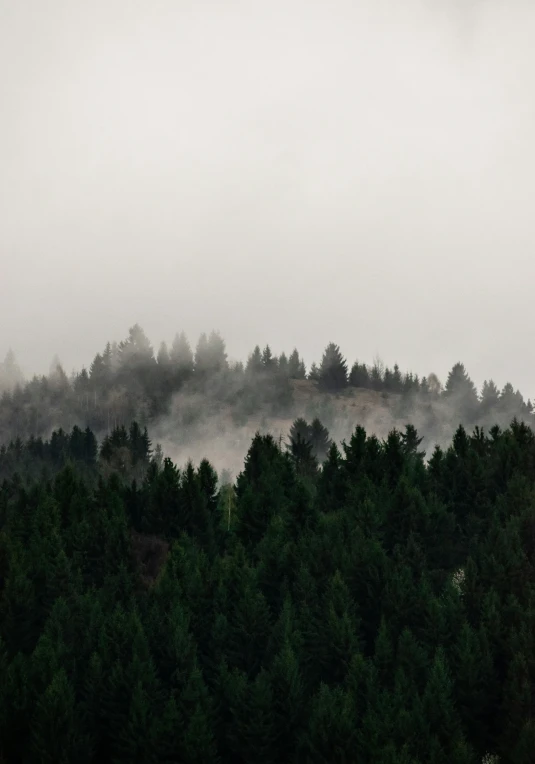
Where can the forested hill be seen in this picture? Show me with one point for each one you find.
(380, 609)
(189, 396)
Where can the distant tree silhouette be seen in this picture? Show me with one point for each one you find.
(376, 377)
(314, 373)
(254, 362)
(163, 358)
(359, 376)
(210, 355)
(268, 361)
(333, 369)
(283, 365)
(296, 367)
(10, 372)
(135, 351)
(490, 396)
(462, 393)
(181, 358)
(397, 380)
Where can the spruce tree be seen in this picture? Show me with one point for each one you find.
(333, 369)
(268, 361)
(314, 373)
(296, 367)
(359, 376)
(181, 358)
(461, 392)
(490, 397)
(319, 440)
(283, 365)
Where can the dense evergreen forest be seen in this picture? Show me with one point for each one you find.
(180, 386)
(376, 608)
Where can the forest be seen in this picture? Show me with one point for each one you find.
(351, 603)
(267, 435)
(365, 599)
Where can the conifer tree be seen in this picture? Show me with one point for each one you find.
(490, 396)
(10, 372)
(54, 734)
(462, 393)
(296, 367)
(252, 734)
(163, 358)
(254, 362)
(359, 376)
(333, 369)
(376, 377)
(136, 351)
(319, 440)
(268, 361)
(210, 355)
(283, 365)
(181, 358)
(314, 373)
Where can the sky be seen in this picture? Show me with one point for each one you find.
(288, 172)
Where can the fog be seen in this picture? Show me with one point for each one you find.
(287, 172)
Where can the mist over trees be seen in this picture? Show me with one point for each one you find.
(368, 596)
(181, 385)
(10, 373)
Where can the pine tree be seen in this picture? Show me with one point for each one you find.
(53, 731)
(210, 355)
(462, 393)
(472, 679)
(299, 431)
(254, 362)
(333, 369)
(296, 367)
(332, 731)
(163, 358)
(10, 372)
(490, 397)
(359, 376)
(283, 365)
(136, 351)
(411, 441)
(217, 351)
(319, 439)
(288, 701)
(249, 630)
(333, 636)
(198, 744)
(268, 361)
(181, 359)
(376, 376)
(314, 373)
(438, 701)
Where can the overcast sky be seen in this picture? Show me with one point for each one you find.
(285, 171)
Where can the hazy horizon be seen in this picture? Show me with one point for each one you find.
(288, 173)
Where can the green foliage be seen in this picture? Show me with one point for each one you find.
(376, 609)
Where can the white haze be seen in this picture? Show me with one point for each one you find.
(287, 172)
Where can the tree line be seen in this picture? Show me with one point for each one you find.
(352, 603)
(128, 381)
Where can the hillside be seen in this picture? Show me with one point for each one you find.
(225, 437)
(197, 404)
